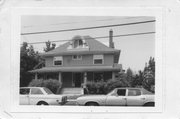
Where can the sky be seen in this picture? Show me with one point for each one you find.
(135, 50)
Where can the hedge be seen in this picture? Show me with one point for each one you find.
(52, 84)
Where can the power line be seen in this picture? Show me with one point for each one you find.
(123, 35)
(61, 23)
(85, 28)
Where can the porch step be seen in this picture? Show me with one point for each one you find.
(74, 91)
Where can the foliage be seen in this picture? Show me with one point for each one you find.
(51, 84)
(102, 87)
(144, 79)
(111, 84)
(28, 59)
(129, 77)
(138, 79)
(149, 75)
(49, 47)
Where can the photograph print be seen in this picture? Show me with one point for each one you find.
(87, 61)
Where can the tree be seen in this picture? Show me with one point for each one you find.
(149, 75)
(28, 59)
(49, 47)
(138, 79)
(129, 77)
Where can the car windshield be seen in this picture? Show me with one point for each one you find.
(48, 91)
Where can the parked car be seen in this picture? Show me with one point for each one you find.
(40, 96)
(119, 97)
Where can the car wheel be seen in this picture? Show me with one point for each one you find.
(91, 104)
(42, 103)
(149, 104)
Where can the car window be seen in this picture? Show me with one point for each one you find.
(24, 91)
(134, 92)
(121, 92)
(47, 91)
(36, 91)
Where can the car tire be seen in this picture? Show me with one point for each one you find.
(42, 103)
(91, 104)
(149, 104)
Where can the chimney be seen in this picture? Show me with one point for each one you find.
(111, 43)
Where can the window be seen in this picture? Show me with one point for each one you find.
(121, 92)
(98, 59)
(78, 43)
(77, 57)
(134, 92)
(24, 91)
(58, 60)
(36, 91)
(47, 91)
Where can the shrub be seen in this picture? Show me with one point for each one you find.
(36, 83)
(102, 87)
(52, 84)
(111, 84)
(91, 86)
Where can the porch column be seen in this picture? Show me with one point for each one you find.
(36, 76)
(113, 75)
(60, 80)
(85, 79)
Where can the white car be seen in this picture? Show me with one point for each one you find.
(119, 97)
(40, 96)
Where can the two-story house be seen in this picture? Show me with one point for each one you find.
(80, 60)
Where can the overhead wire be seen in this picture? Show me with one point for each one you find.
(86, 28)
(99, 37)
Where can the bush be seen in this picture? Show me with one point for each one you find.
(36, 83)
(96, 87)
(91, 86)
(111, 84)
(52, 84)
(103, 87)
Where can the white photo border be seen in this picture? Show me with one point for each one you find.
(156, 12)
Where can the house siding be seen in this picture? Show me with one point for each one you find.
(87, 60)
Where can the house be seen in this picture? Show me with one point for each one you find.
(80, 60)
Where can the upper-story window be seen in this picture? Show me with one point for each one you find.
(98, 59)
(77, 57)
(58, 60)
(78, 43)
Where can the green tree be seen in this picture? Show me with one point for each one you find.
(49, 47)
(28, 59)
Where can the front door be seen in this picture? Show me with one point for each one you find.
(77, 79)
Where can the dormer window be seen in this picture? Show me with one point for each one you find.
(78, 43)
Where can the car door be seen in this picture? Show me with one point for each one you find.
(118, 98)
(134, 97)
(24, 96)
(36, 95)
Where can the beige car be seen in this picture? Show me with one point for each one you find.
(40, 96)
(119, 97)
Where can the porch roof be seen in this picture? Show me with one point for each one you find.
(77, 69)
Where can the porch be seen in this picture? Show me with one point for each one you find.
(76, 79)
(77, 76)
